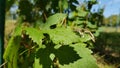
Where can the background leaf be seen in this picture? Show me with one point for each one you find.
(11, 53)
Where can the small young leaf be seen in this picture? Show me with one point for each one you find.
(58, 18)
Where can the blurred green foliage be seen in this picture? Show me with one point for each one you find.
(63, 28)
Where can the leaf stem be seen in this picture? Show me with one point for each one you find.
(3, 64)
(26, 50)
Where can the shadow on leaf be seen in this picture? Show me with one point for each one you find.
(65, 55)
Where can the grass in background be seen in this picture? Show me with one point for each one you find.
(111, 29)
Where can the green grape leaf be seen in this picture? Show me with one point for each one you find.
(45, 56)
(35, 35)
(58, 18)
(86, 60)
(66, 55)
(11, 52)
(69, 56)
(62, 35)
(42, 59)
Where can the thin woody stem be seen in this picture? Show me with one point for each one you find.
(3, 64)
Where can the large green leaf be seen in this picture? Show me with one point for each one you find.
(42, 59)
(62, 35)
(58, 18)
(69, 56)
(86, 60)
(65, 54)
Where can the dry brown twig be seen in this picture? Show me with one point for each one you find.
(81, 31)
(3, 64)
